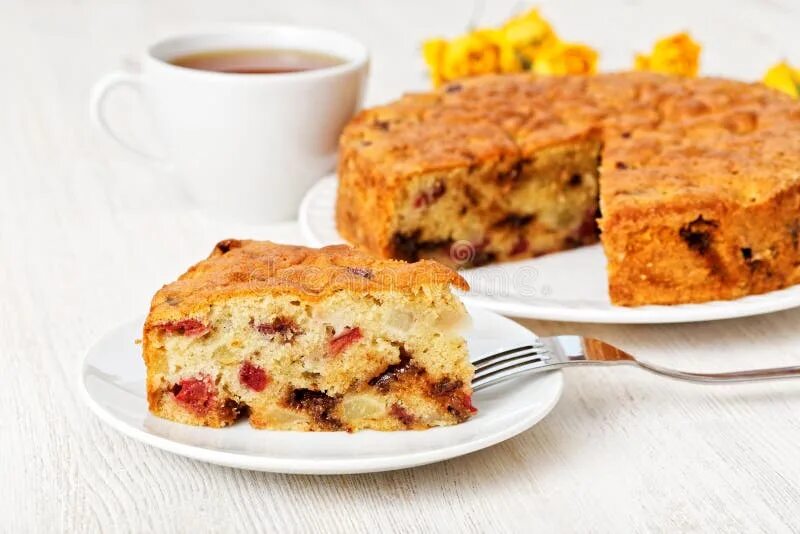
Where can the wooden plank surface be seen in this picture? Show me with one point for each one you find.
(87, 234)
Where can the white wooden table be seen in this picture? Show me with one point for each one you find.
(88, 234)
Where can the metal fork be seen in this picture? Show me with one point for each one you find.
(557, 352)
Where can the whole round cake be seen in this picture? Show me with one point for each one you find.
(692, 185)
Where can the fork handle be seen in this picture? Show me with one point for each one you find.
(572, 351)
(752, 375)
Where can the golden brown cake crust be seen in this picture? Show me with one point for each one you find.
(243, 267)
(673, 150)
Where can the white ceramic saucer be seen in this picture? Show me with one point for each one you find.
(112, 382)
(567, 286)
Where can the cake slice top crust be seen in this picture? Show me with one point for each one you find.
(262, 268)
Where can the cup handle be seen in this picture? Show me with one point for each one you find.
(100, 92)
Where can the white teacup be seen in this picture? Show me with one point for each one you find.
(247, 146)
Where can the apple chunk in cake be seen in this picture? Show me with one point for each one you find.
(308, 339)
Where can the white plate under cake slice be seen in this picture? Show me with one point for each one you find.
(112, 384)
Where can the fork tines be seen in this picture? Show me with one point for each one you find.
(508, 360)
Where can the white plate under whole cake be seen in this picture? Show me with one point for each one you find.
(112, 382)
(565, 286)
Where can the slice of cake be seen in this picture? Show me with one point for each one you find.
(308, 339)
(695, 181)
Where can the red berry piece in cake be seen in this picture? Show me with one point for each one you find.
(468, 404)
(452, 394)
(196, 394)
(340, 342)
(186, 327)
(403, 415)
(460, 406)
(253, 376)
(520, 246)
(429, 196)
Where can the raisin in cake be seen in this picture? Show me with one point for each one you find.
(695, 182)
(308, 339)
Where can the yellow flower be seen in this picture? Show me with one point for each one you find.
(471, 54)
(561, 58)
(479, 52)
(528, 29)
(510, 59)
(677, 54)
(523, 36)
(784, 78)
(433, 54)
(525, 42)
